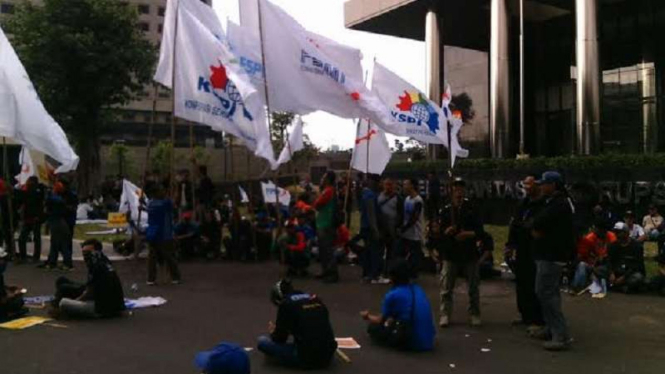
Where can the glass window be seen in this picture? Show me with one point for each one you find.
(144, 9)
(6, 8)
(160, 28)
(161, 11)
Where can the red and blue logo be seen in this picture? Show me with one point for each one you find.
(219, 85)
(416, 109)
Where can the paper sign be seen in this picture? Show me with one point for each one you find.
(24, 323)
(347, 343)
(117, 220)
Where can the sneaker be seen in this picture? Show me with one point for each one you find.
(542, 334)
(176, 282)
(66, 268)
(149, 283)
(556, 346)
(444, 322)
(600, 295)
(475, 321)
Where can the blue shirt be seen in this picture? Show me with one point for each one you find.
(368, 198)
(397, 305)
(160, 220)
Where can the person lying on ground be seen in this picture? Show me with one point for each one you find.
(100, 296)
(406, 320)
(304, 317)
(11, 298)
(627, 271)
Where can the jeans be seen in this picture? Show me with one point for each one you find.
(525, 286)
(326, 238)
(165, 252)
(449, 273)
(371, 257)
(77, 309)
(412, 251)
(285, 353)
(548, 283)
(582, 272)
(61, 242)
(36, 230)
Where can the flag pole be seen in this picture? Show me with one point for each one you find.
(451, 175)
(521, 77)
(173, 91)
(270, 125)
(10, 189)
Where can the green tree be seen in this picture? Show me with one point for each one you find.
(280, 123)
(160, 159)
(85, 57)
(119, 156)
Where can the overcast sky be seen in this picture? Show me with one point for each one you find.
(326, 17)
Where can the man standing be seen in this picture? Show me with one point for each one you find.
(205, 192)
(159, 236)
(433, 195)
(462, 228)
(371, 258)
(326, 227)
(553, 248)
(520, 247)
(411, 231)
(305, 317)
(390, 207)
(31, 210)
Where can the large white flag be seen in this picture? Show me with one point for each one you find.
(307, 72)
(270, 194)
(419, 117)
(295, 144)
(130, 201)
(23, 116)
(249, 16)
(371, 153)
(27, 166)
(211, 86)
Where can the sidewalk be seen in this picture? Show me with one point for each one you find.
(77, 255)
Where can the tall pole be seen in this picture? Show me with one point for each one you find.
(522, 140)
(173, 91)
(434, 53)
(10, 192)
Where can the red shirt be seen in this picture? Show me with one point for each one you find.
(300, 243)
(591, 248)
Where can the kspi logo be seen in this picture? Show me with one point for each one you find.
(219, 85)
(415, 109)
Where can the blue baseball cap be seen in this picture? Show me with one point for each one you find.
(550, 177)
(225, 358)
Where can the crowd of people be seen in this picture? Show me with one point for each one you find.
(401, 234)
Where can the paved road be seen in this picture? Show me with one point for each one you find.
(220, 301)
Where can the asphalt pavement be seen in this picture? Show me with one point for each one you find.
(229, 302)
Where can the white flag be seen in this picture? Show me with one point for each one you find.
(418, 117)
(130, 201)
(294, 144)
(23, 116)
(249, 16)
(371, 153)
(243, 196)
(211, 86)
(270, 194)
(27, 166)
(307, 72)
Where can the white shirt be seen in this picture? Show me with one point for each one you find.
(636, 232)
(82, 211)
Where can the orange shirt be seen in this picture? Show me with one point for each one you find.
(592, 248)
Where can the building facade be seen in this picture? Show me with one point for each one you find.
(594, 70)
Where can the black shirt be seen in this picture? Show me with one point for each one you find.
(206, 191)
(626, 259)
(466, 219)
(306, 318)
(106, 287)
(519, 235)
(555, 223)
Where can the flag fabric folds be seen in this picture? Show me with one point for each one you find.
(418, 117)
(130, 201)
(295, 144)
(24, 118)
(371, 152)
(27, 166)
(243, 196)
(270, 194)
(211, 86)
(307, 72)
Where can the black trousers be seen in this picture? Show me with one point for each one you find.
(527, 300)
(66, 288)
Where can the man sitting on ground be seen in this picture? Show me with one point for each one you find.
(636, 231)
(651, 222)
(11, 298)
(305, 317)
(626, 262)
(188, 236)
(101, 296)
(592, 257)
(405, 304)
(294, 247)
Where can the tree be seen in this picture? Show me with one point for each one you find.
(118, 153)
(86, 58)
(161, 158)
(280, 122)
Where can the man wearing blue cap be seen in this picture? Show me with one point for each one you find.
(226, 358)
(552, 248)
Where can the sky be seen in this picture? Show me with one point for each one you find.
(326, 17)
